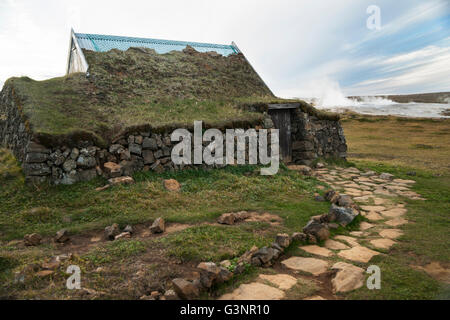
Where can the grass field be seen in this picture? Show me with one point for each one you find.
(131, 268)
(403, 142)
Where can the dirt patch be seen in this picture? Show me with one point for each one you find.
(272, 219)
(436, 271)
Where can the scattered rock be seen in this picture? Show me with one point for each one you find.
(209, 273)
(224, 275)
(318, 230)
(386, 176)
(348, 277)
(123, 235)
(112, 169)
(129, 229)
(172, 185)
(112, 231)
(121, 180)
(45, 273)
(225, 263)
(283, 240)
(341, 215)
(33, 239)
(158, 226)
(299, 236)
(345, 201)
(170, 295)
(62, 236)
(226, 218)
(185, 289)
(320, 165)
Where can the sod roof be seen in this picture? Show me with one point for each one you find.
(139, 87)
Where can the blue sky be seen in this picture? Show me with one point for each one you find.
(300, 48)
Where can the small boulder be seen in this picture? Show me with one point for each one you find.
(209, 273)
(129, 229)
(158, 226)
(224, 275)
(172, 185)
(123, 235)
(344, 201)
(112, 231)
(185, 289)
(386, 176)
(299, 236)
(33, 239)
(170, 295)
(283, 240)
(121, 180)
(62, 236)
(112, 169)
(341, 215)
(226, 218)
(317, 229)
(329, 194)
(225, 263)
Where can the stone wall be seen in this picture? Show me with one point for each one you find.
(314, 138)
(141, 150)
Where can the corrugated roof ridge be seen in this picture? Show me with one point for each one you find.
(90, 36)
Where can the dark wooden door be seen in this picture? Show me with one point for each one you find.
(282, 120)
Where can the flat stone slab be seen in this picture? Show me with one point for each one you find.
(391, 233)
(358, 254)
(320, 251)
(350, 240)
(335, 245)
(282, 281)
(358, 233)
(365, 225)
(373, 208)
(372, 216)
(254, 291)
(348, 277)
(380, 201)
(394, 212)
(382, 243)
(396, 222)
(310, 265)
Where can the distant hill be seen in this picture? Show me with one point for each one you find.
(435, 97)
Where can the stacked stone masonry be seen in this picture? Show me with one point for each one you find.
(138, 151)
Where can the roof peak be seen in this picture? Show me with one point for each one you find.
(102, 43)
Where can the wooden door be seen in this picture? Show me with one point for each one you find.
(282, 120)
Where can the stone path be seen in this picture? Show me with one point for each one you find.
(344, 257)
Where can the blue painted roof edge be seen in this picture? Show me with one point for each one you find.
(91, 37)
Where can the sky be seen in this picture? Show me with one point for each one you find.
(300, 48)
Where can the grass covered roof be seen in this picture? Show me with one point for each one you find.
(139, 87)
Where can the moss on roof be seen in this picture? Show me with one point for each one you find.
(139, 87)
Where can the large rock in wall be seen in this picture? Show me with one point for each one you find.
(314, 138)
